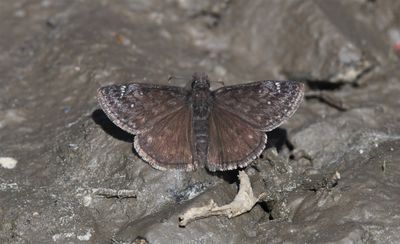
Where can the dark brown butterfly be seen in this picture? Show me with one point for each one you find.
(183, 129)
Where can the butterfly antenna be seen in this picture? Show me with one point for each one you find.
(201, 76)
(220, 82)
(174, 77)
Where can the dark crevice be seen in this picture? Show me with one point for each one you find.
(267, 207)
(230, 176)
(324, 85)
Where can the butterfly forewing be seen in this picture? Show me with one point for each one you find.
(233, 141)
(168, 145)
(136, 107)
(263, 104)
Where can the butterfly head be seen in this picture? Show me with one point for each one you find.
(200, 81)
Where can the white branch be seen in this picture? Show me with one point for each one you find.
(243, 202)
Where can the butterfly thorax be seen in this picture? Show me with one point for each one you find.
(201, 100)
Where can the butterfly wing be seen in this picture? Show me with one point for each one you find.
(233, 141)
(263, 104)
(240, 115)
(160, 116)
(168, 145)
(136, 107)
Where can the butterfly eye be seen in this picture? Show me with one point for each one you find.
(138, 93)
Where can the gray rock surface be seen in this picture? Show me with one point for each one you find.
(55, 54)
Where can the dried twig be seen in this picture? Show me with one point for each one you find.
(328, 99)
(243, 202)
(112, 193)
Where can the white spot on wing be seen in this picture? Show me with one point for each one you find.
(123, 91)
(278, 87)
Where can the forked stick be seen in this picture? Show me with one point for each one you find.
(243, 202)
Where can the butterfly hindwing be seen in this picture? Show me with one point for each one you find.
(168, 145)
(233, 142)
(136, 107)
(263, 104)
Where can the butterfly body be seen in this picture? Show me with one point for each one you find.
(200, 100)
(184, 129)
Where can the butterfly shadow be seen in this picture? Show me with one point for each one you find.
(278, 138)
(100, 118)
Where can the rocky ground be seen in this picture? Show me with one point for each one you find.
(68, 175)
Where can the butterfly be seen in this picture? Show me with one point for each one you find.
(183, 129)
